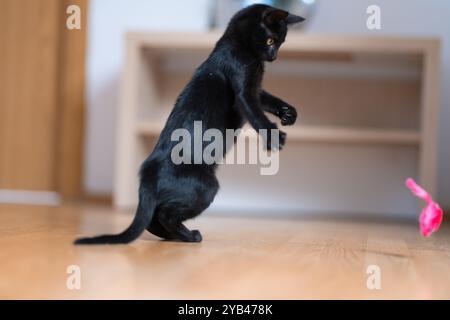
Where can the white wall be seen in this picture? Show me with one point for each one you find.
(109, 19)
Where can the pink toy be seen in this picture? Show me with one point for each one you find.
(431, 216)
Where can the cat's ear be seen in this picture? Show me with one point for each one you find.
(292, 18)
(274, 16)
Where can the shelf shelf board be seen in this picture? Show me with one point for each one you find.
(302, 55)
(320, 134)
(296, 42)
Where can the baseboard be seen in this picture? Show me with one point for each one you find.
(39, 198)
(98, 199)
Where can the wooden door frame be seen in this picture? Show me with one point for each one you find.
(71, 104)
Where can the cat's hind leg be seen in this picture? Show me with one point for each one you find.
(158, 230)
(177, 229)
(186, 200)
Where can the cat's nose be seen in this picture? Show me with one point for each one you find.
(272, 55)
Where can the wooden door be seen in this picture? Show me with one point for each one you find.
(41, 98)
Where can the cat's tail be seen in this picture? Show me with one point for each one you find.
(142, 219)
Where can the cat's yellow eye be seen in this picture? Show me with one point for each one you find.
(270, 42)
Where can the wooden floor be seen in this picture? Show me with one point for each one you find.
(240, 258)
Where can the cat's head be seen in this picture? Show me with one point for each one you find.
(262, 29)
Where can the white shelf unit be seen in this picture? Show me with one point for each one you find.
(368, 119)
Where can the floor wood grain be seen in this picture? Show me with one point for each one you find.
(240, 258)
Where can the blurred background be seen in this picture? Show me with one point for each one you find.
(62, 103)
(86, 87)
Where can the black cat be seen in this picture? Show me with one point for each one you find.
(224, 92)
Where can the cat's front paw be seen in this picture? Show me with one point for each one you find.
(274, 139)
(288, 115)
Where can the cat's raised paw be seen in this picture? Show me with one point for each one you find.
(289, 115)
(281, 141)
(274, 144)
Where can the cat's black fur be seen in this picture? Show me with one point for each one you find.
(224, 92)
